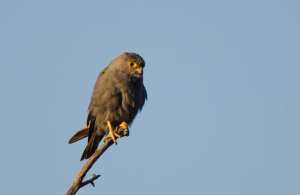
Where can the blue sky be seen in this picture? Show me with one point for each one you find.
(223, 84)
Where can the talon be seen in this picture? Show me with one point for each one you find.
(111, 134)
(125, 128)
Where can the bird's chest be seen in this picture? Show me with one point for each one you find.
(128, 102)
(128, 98)
(119, 103)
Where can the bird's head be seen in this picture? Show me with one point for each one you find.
(133, 64)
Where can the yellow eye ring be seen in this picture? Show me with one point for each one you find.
(131, 64)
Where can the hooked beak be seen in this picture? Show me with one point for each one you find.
(139, 71)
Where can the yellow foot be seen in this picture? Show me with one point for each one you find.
(111, 134)
(125, 128)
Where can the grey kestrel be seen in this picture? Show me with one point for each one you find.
(119, 93)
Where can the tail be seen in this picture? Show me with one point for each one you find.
(94, 139)
(91, 146)
(82, 133)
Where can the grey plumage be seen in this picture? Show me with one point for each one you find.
(118, 95)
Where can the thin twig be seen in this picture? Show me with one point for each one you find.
(90, 181)
(77, 184)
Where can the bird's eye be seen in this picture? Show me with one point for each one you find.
(131, 64)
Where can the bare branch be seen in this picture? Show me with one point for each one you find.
(77, 183)
(90, 181)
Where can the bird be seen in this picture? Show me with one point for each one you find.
(118, 95)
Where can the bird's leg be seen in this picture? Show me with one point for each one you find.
(123, 126)
(111, 133)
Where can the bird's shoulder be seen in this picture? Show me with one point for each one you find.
(103, 72)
